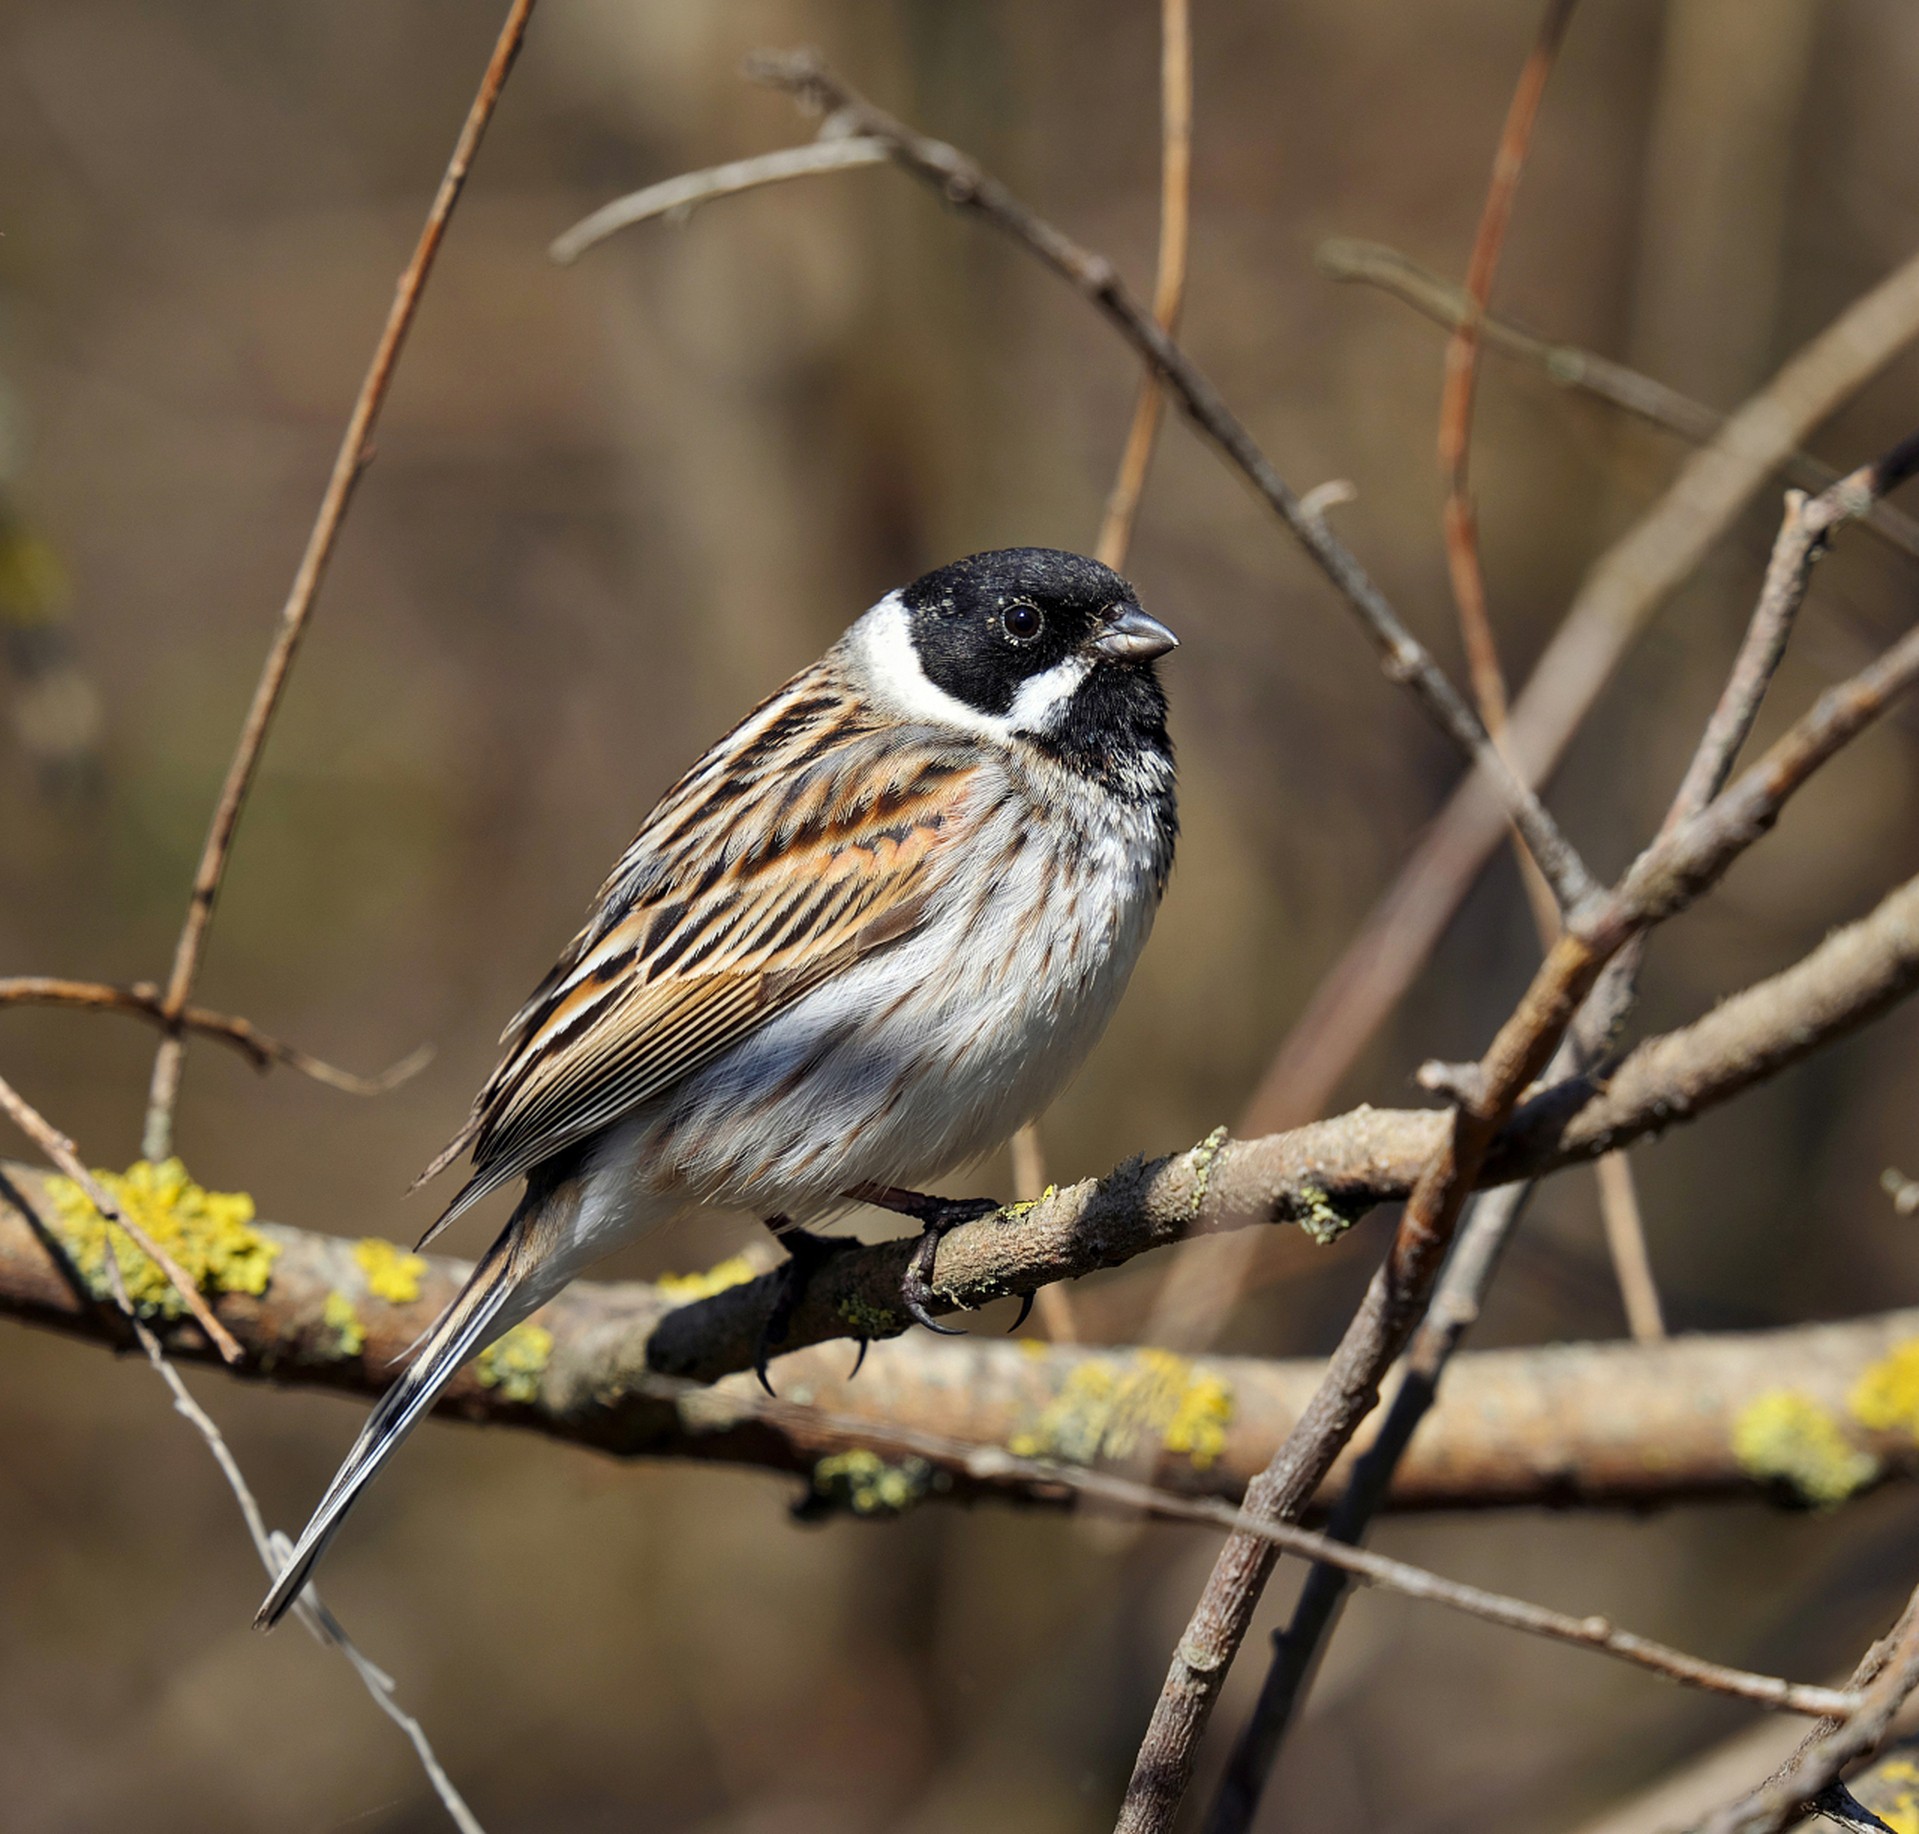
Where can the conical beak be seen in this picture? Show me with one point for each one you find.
(1131, 636)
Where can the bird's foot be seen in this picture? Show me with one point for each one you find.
(806, 1254)
(935, 1216)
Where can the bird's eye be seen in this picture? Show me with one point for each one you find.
(1022, 622)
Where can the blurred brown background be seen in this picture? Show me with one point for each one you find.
(614, 505)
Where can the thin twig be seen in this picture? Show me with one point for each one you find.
(1888, 1675)
(1619, 594)
(1373, 263)
(1397, 1576)
(1618, 1200)
(63, 1153)
(348, 463)
(275, 1550)
(1626, 1248)
(261, 1049)
(1676, 868)
(1462, 370)
(1122, 505)
(1169, 283)
(679, 197)
(963, 183)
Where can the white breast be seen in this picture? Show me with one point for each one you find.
(934, 1050)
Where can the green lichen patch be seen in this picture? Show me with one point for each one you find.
(1886, 1398)
(339, 1317)
(1109, 1406)
(683, 1289)
(1205, 1154)
(209, 1233)
(868, 1320)
(391, 1273)
(1789, 1438)
(514, 1365)
(1323, 1221)
(870, 1485)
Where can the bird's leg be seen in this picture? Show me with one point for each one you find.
(935, 1215)
(806, 1254)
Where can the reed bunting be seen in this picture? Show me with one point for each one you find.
(864, 939)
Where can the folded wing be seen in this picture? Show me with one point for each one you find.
(802, 842)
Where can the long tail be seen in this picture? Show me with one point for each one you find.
(461, 1330)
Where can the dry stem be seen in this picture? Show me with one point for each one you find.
(63, 1153)
(348, 463)
(261, 1049)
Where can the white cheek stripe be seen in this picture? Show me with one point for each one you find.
(1039, 704)
(884, 645)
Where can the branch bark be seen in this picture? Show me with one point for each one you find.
(1576, 1425)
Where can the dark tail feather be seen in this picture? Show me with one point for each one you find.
(460, 1331)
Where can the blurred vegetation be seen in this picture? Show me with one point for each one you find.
(610, 508)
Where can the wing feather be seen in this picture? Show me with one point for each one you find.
(806, 839)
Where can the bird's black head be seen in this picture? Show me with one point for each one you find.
(1052, 644)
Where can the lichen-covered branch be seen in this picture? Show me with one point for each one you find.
(1322, 1177)
(1816, 1412)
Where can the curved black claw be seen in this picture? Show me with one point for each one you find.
(806, 1254)
(1025, 1312)
(916, 1290)
(859, 1359)
(935, 1215)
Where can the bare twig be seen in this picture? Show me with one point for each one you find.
(1680, 864)
(1885, 1678)
(261, 1049)
(1462, 370)
(679, 197)
(1122, 506)
(1618, 1200)
(1803, 536)
(963, 183)
(1345, 258)
(1626, 1249)
(1629, 582)
(62, 1152)
(347, 466)
(1397, 1576)
(1169, 284)
(275, 1549)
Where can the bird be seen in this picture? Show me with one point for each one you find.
(869, 935)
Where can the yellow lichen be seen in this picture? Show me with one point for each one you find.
(515, 1364)
(1891, 1790)
(391, 1273)
(1204, 1156)
(683, 1289)
(209, 1233)
(1108, 1405)
(865, 1483)
(1788, 1437)
(1323, 1221)
(339, 1317)
(1886, 1398)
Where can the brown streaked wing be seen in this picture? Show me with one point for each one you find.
(758, 895)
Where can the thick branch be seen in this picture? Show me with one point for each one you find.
(1328, 1173)
(1595, 1425)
